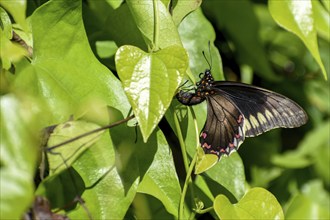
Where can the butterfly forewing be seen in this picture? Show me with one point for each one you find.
(263, 110)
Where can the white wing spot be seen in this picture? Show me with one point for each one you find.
(254, 121)
(261, 118)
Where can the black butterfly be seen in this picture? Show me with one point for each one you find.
(236, 110)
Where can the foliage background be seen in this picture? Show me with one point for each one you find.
(74, 71)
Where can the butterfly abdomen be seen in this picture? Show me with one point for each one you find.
(188, 98)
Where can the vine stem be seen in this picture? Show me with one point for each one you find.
(195, 125)
(188, 168)
(185, 186)
(181, 141)
(91, 132)
(203, 211)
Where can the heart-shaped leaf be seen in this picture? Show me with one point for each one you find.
(150, 81)
(257, 203)
(204, 161)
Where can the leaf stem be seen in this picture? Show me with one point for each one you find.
(188, 168)
(156, 25)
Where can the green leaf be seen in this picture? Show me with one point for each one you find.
(66, 76)
(9, 52)
(183, 8)
(257, 203)
(322, 21)
(201, 183)
(71, 151)
(187, 124)
(64, 73)
(263, 177)
(305, 155)
(312, 203)
(62, 189)
(121, 26)
(292, 160)
(108, 180)
(19, 150)
(150, 81)
(160, 180)
(190, 31)
(326, 4)
(6, 27)
(299, 18)
(238, 22)
(229, 173)
(101, 179)
(204, 161)
(318, 93)
(17, 10)
(155, 23)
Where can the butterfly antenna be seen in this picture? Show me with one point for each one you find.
(208, 62)
(210, 55)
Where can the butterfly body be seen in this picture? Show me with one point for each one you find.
(236, 110)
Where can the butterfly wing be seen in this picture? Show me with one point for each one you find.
(263, 110)
(223, 130)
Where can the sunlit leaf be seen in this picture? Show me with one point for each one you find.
(150, 81)
(257, 203)
(204, 161)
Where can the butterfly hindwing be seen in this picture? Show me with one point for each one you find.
(263, 110)
(223, 129)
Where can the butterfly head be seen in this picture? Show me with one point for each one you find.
(206, 81)
(204, 88)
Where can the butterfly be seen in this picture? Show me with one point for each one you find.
(237, 110)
